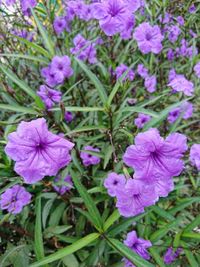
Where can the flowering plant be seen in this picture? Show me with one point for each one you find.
(99, 133)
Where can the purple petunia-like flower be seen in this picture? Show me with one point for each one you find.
(138, 245)
(113, 182)
(68, 116)
(60, 24)
(150, 83)
(181, 84)
(49, 96)
(111, 14)
(66, 185)
(173, 33)
(186, 109)
(142, 71)
(126, 32)
(195, 155)
(134, 197)
(149, 38)
(14, 199)
(58, 70)
(197, 69)
(120, 71)
(26, 5)
(152, 155)
(89, 159)
(170, 255)
(141, 120)
(37, 152)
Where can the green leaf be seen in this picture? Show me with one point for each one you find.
(86, 129)
(38, 240)
(47, 40)
(80, 109)
(16, 108)
(83, 242)
(191, 235)
(22, 56)
(113, 218)
(70, 261)
(193, 224)
(108, 153)
(94, 80)
(156, 256)
(162, 213)
(189, 255)
(157, 235)
(16, 80)
(128, 253)
(89, 202)
(33, 45)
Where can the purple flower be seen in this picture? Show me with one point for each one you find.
(10, 2)
(26, 5)
(89, 159)
(112, 14)
(58, 70)
(197, 69)
(142, 71)
(126, 32)
(134, 197)
(152, 155)
(37, 151)
(49, 96)
(68, 116)
(133, 5)
(59, 24)
(148, 38)
(170, 256)
(192, 9)
(180, 20)
(150, 83)
(113, 182)
(141, 120)
(64, 185)
(181, 84)
(187, 109)
(174, 115)
(121, 69)
(172, 75)
(84, 49)
(23, 34)
(174, 32)
(195, 155)
(14, 199)
(166, 19)
(138, 245)
(170, 54)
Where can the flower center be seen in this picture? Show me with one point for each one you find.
(40, 146)
(148, 36)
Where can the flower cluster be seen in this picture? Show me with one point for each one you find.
(155, 162)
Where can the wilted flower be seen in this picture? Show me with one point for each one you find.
(141, 120)
(66, 186)
(113, 182)
(149, 38)
(170, 256)
(181, 84)
(195, 155)
(49, 96)
(134, 197)
(150, 83)
(37, 151)
(14, 199)
(151, 154)
(89, 159)
(121, 69)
